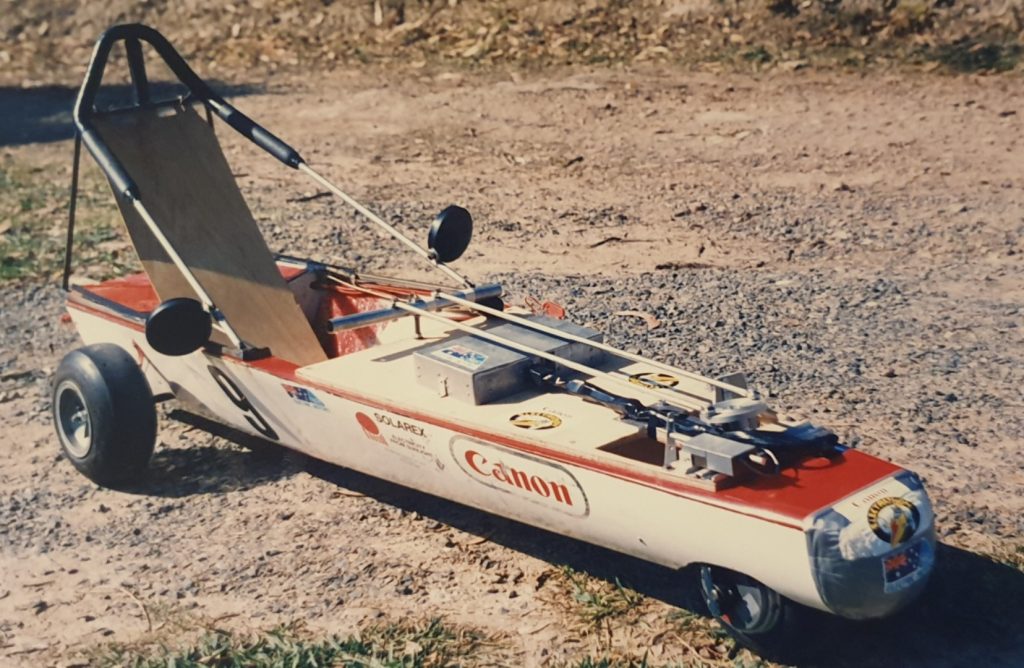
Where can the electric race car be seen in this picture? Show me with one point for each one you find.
(446, 389)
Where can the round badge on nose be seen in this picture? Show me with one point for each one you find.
(893, 519)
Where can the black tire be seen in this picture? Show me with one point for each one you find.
(757, 616)
(104, 413)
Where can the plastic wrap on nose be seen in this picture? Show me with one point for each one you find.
(859, 574)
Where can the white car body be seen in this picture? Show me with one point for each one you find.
(364, 411)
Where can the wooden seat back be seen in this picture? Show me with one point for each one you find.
(187, 186)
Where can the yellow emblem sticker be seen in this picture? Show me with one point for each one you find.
(654, 379)
(893, 519)
(535, 420)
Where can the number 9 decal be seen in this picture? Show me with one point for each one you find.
(252, 416)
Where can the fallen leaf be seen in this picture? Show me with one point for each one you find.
(111, 246)
(652, 322)
(553, 310)
(309, 197)
(621, 240)
(793, 65)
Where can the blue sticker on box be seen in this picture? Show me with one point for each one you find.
(461, 355)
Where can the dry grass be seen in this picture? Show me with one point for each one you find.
(48, 40)
(33, 225)
(423, 644)
(615, 619)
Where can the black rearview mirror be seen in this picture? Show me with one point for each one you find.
(178, 327)
(450, 233)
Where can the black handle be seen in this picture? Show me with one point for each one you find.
(133, 33)
(108, 162)
(256, 133)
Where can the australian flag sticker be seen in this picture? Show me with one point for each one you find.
(303, 396)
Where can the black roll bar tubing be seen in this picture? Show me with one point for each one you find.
(133, 34)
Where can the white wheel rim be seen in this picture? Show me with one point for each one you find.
(73, 421)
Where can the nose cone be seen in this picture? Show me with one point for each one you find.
(873, 552)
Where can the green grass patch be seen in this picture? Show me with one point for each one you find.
(970, 55)
(432, 643)
(33, 226)
(597, 601)
(590, 662)
(757, 54)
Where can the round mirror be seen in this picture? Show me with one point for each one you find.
(450, 233)
(178, 326)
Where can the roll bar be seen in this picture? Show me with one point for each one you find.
(133, 34)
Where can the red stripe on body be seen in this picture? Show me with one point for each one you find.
(789, 497)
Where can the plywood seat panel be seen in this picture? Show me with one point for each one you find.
(186, 185)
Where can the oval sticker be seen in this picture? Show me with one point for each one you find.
(528, 478)
(534, 420)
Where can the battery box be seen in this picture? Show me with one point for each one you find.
(477, 371)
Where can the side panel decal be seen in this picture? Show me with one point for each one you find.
(252, 416)
(521, 475)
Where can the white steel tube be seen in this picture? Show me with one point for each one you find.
(377, 220)
(569, 364)
(593, 344)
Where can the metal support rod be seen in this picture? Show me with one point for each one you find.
(365, 318)
(187, 273)
(380, 222)
(347, 275)
(71, 211)
(561, 361)
(593, 344)
(137, 69)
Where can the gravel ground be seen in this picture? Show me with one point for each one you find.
(856, 253)
(921, 394)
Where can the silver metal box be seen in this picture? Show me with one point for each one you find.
(471, 369)
(716, 453)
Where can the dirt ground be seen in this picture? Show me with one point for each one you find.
(854, 244)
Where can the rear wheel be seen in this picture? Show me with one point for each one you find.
(756, 615)
(104, 413)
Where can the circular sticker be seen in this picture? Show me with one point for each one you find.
(535, 420)
(654, 379)
(893, 519)
(367, 423)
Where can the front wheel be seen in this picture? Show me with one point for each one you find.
(104, 412)
(756, 615)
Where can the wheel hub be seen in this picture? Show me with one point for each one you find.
(73, 420)
(739, 601)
